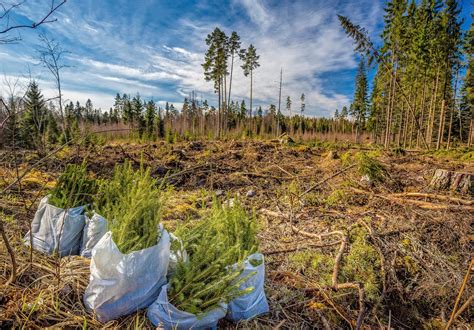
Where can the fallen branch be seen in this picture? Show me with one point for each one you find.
(126, 155)
(304, 284)
(187, 170)
(298, 248)
(464, 306)
(318, 236)
(359, 286)
(325, 180)
(11, 253)
(420, 204)
(268, 176)
(361, 290)
(455, 313)
(337, 260)
(272, 213)
(434, 196)
(337, 265)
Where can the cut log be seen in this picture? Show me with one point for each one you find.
(456, 181)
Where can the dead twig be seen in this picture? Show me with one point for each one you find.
(420, 204)
(464, 306)
(188, 170)
(434, 196)
(126, 155)
(455, 313)
(318, 236)
(325, 180)
(337, 265)
(11, 253)
(337, 260)
(298, 248)
(359, 286)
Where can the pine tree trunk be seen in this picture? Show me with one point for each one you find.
(400, 125)
(451, 115)
(410, 133)
(226, 107)
(387, 115)
(471, 133)
(357, 133)
(405, 127)
(230, 78)
(251, 86)
(374, 134)
(422, 116)
(219, 111)
(428, 123)
(462, 182)
(408, 124)
(442, 119)
(392, 105)
(441, 125)
(451, 110)
(433, 111)
(60, 98)
(390, 136)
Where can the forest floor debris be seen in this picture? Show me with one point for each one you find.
(338, 253)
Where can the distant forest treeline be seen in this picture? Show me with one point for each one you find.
(40, 125)
(422, 94)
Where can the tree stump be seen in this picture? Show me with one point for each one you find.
(332, 155)
(463, 182)
(455, 181)
(441, 179)
(285, 139)
(366, 181)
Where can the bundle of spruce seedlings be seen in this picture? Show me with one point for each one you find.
(73, 188)
(216, 245)
(131, 202)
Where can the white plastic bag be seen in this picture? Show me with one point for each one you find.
(255, 303)
(53, 226)
(162, 313)
(95, 228)
(176, 254)
(121, 284)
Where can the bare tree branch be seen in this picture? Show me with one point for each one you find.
(51, 56)
(8, 10)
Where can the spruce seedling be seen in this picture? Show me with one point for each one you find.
(74, 187)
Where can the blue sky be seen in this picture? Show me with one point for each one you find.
(156, 48)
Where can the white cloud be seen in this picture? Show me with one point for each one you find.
(257, 12)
